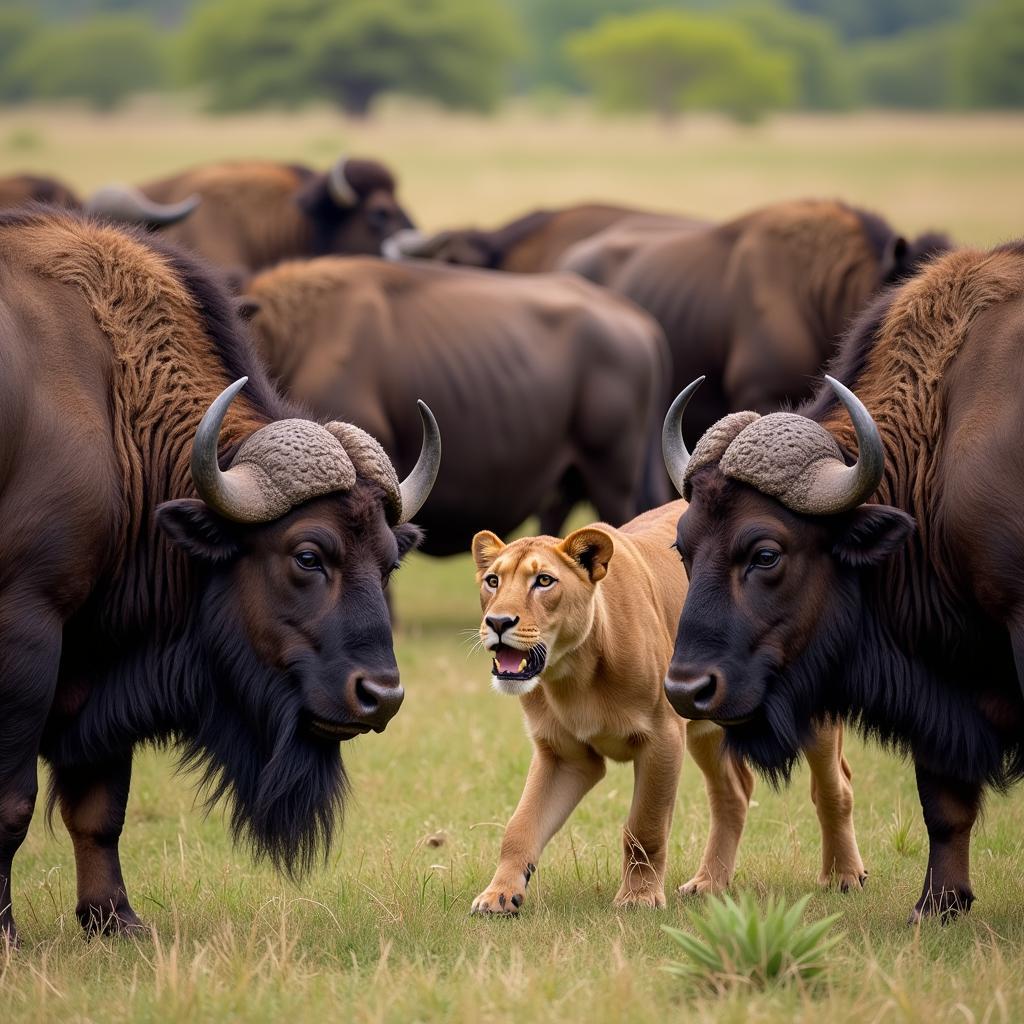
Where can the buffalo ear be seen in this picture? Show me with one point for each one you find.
(409, 538)
(871, 534)
(592, 549)
(199, 532)
(486, 548)
(895, 258)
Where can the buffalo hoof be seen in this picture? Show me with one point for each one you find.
(945, 904)
(119, 920)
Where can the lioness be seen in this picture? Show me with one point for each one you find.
(585, 647)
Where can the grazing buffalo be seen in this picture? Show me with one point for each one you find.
(809, 602)
(548, 387)
(531, 244)
(147, 593)
(258, 213)
(118, 203)
(759, 304)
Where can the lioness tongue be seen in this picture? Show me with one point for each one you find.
(509, 659)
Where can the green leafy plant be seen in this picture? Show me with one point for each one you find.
(739, 942)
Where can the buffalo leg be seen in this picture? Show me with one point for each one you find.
(30, 656)
(950, 810)
(832, 796)
(92, 803)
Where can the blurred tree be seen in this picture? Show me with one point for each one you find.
(822, 76)
(252, 52)
(669, 62)
(18, 27)
(102, 61)
(861, 19)
(992, 56)
(914, 70)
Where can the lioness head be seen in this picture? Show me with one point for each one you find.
(537, 596)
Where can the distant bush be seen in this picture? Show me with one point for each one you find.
(822, 76)
(670, 62)
(18, 27)
(916, 70)
(281, 52)
(992, 56)
(738, 943)
(102, 61)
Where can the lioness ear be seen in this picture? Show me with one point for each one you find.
(592, 549)
(871, 534)
(486, 548)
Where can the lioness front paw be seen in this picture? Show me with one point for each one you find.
(844, 881)
(502, 900)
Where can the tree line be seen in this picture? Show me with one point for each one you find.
(742, 57)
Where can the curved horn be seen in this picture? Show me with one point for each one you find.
(840, 488)
(673, 447)
(130, 206)
(339, 186)
(416, 486)
(232, 494)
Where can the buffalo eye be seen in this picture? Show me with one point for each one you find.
(544, 580)
(310, 561)
(389, 572)
(765, 558)
(491, 581)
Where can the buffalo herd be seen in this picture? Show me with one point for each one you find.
(218, 395)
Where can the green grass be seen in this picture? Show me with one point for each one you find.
(383, 933)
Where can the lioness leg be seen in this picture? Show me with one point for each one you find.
(92, 803)
(729, 784)
(555, 784)
(656, 770)
(832, 793)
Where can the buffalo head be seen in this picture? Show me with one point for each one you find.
(293, 545)
(775, 541)
(352, 208)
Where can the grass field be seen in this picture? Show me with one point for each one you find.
(382, 933)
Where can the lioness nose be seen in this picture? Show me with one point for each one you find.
(374, 700)
(695, 695)
(499, 623)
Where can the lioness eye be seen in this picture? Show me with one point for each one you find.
(309, 560)
(766, 558)
(544, 580)
(491, 581)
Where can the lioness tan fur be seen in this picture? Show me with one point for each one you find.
(584, 639)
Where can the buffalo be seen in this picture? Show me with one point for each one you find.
(117, 203)
(859, 559)
(147, 593)
(758, 304)
(549, 387)
(530, 244)
(254, 214)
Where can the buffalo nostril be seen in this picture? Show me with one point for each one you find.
(377, 700)
(704, 694)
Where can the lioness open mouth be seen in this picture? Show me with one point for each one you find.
(512, 664)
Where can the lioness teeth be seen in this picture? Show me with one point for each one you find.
(497, 667)
(522, 665)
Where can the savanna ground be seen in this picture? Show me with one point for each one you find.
(382, 933)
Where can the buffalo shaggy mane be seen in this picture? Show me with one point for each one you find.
(176, 669)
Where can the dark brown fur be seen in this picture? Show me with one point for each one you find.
(916, 635)
(20, 189)
(759, 304)
(129, 611)
(546, 390)
(255, 214)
